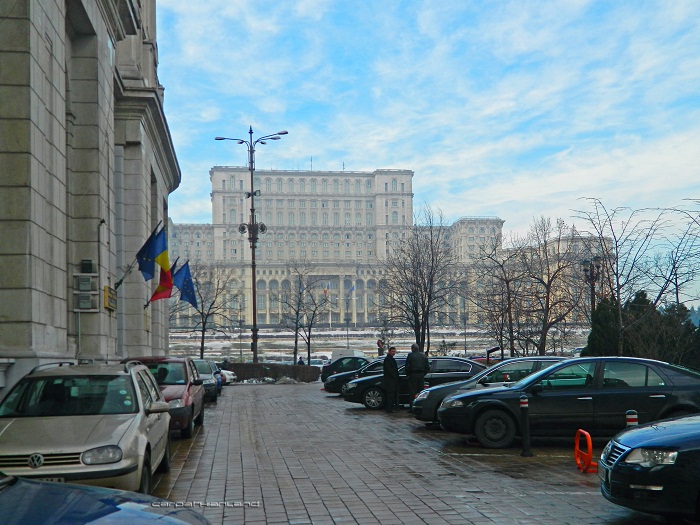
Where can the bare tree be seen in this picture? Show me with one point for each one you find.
(550, 265)
(315, 299)
(420, 276)
(498, 280)
(641, 252)
(212, 285)
(294, 301)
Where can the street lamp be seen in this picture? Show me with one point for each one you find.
(253, 227)
(591, 274)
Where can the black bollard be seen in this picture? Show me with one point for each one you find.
(525, 424)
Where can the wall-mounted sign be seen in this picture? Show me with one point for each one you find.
(110, 298)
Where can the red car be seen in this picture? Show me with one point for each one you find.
(182, 388)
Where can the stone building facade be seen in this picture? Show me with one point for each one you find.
(344, 222)
(86, 167)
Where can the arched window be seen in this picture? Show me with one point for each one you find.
(268, 185)
(346, 186)
(302, 186)
(313, 186)
(336, 186)
(394, 217)
(394, 185)
(324, 186)
(290, 185)
(279, 185)
(358, 186)
(369, 186)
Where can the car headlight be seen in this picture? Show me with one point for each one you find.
(452, 403)
(649, 457)
(350, 386)
(176, 403)
(424, 394)
(101, 455)
(330, 379)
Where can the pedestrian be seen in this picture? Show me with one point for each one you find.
(390, 381)
(301, 361)
(417, 365)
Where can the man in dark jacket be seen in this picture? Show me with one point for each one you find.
(417, 365)
(391, 381)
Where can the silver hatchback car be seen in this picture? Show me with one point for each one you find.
(105, 425)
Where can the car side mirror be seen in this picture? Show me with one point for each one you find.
(158, 407)
(198, 381)
(536, 388)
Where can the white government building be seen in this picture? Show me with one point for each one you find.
(342, 221)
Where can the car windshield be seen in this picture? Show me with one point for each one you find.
(168, 373)
(203, 367)
(70, 396)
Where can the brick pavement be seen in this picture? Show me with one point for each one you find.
(294, 454)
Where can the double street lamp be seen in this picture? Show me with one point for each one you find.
(253, 228)
(591, 270)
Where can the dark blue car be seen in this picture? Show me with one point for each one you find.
(654, 468)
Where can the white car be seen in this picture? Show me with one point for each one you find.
(105, 425)
(228, 377)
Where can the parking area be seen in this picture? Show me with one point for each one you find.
(294, 454)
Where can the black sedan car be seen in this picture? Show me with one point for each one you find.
(653, 468)
(370, 391)
(427, 402)
(589, 393)
(336, 383)
(342, 364)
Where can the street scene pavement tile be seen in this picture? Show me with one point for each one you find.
(294, 454)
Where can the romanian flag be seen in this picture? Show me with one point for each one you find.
(165, 286)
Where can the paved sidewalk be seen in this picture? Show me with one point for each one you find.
(294, 454)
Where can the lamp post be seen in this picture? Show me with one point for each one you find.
(591, 274)
(253, 228)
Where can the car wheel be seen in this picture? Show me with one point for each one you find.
(373, 398)
(199, 420)
(164, 465)
(145, 484)
(187, 430)
(343, 389)
(495, 429)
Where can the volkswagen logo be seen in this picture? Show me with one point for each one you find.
(35, 460)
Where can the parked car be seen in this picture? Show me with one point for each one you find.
(427, 402)
(653, 468)
(343, 364)
(337, 383)
(25, 500)
(319, 363)
(589, 393)
(206, 372)
(182, 388)
(228, 377)
(217, 376)
(104, 425)
(370, 390)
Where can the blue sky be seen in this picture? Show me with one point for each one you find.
(510, 109)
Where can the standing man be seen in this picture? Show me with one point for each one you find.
(391, 381)
(417, 365)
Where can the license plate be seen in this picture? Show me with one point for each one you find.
(603, 473)
(55, 480)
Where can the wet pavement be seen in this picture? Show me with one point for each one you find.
(294, 454)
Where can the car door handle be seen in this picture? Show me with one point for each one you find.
(587, 398)
(658, 396)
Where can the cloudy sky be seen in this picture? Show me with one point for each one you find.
(511, 109)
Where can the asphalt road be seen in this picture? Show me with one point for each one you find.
(294, 454)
